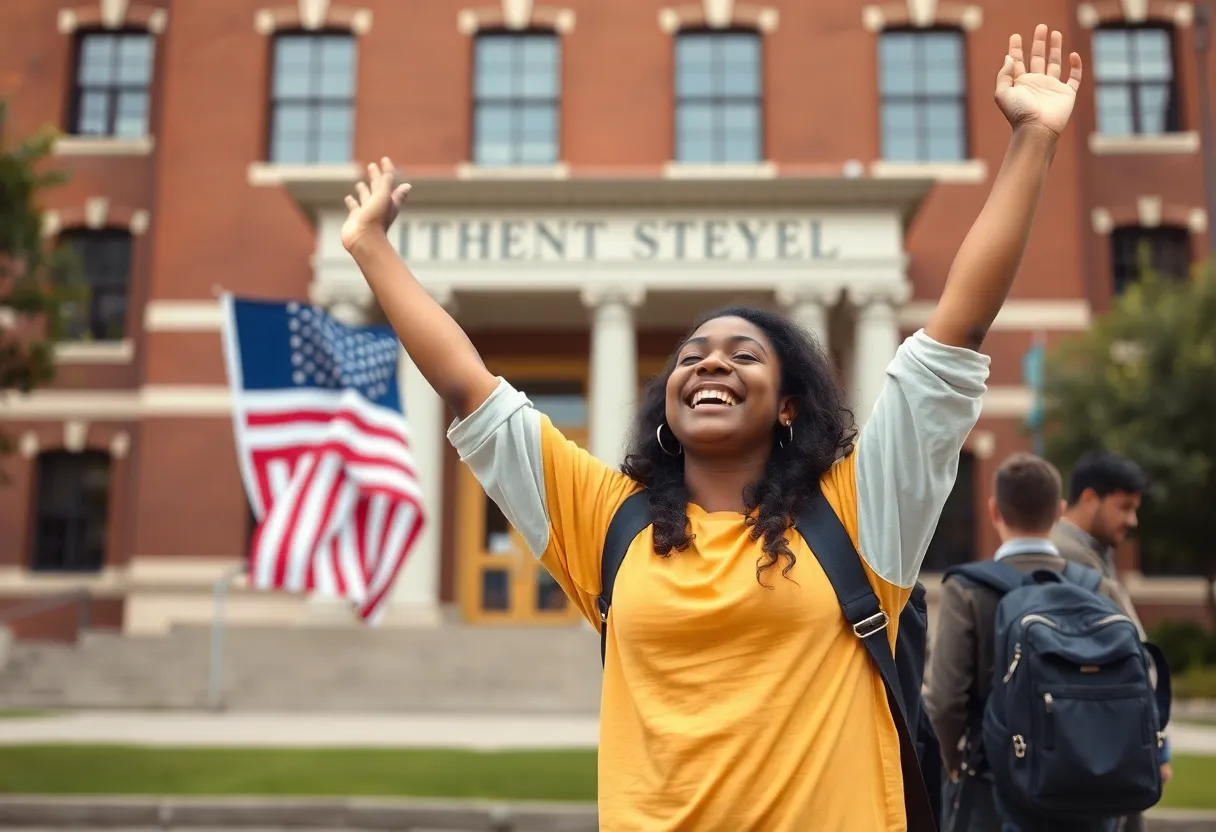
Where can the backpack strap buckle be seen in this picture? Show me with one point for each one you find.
(869, 626)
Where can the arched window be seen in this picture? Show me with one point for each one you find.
(954, 540)
(719, 87)
(73, 502)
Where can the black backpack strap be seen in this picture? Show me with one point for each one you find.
(830, 543)
(999, 577)
(1083, 576)
(630, 519)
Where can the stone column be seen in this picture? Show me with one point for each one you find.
(614, 368)
(876, 335)
(415, 596)
(810, 306)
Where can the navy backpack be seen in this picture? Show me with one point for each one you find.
(1073, 728)
(902, 673)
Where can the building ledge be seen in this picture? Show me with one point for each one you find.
(1101, 144)
(103, 146)
(966, 171)
(95, 352)
(270, 175)
(316, 194)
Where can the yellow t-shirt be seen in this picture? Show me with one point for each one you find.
(727, 704)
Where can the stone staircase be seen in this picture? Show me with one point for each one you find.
(452, 668)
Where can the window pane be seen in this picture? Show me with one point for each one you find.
(942, 48)
(96, 60)
(538, 82)
(549, 595)
(1153, 59)
(1112, 55)
(942, 77)
(896, 61)
(495, 590)
(740, 148)
(337, 75)
(135, 60)
(1113, 105)
(132, 117)
(694, 80)
(1154, 102)
(741, 119)
(694, 52)
(899, 132)
(93, 118)
(944, 147)
(73, 501)
(492, 131)
(694, 148)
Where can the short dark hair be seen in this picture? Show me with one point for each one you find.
(1028, 491)
(1106, 473)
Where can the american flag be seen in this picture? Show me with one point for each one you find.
(324, 451)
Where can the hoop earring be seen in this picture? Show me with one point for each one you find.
(658, 434)
(780, 442)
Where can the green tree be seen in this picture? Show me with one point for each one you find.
(1142, 383)
(36, 278)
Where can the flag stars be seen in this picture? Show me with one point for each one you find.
(330, 354)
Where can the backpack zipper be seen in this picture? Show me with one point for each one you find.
(1050, 734)
(1101, 622)
(1013, 665)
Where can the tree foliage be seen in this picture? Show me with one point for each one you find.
(1142, 383)
(37, 278)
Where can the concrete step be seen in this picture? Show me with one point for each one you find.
(451, 668)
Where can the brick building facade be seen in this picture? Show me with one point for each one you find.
(588, 176)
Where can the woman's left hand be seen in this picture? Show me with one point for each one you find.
(1036, 96)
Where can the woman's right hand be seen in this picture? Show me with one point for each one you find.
(377, 203)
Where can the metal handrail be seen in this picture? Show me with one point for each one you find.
(215, 670)
(81, 598)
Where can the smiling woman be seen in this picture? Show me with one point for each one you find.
(734, 700)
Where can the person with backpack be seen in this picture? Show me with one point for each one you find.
(1104, 494)
(741, 690)
(1041, 691)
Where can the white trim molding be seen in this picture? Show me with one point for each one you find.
(1180, 14)
(687, 170)
(311, 15)
(922, 14)
(515, 15)
(467, 170)
(113, 14)
(96, 212)
(1007, 401)
(152, 401)
(971, 171)
(103, 146)
(183, 316)
(1150, 211)
(95, 352)
(1158, 144)
(982, 443)
(270, 175)
(1015, 315)
(719, 14)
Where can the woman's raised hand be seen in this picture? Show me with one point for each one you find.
(376, 203)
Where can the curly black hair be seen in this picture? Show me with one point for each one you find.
(824, 430)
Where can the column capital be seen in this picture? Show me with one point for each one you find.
(886, 294)
(821, 293)
(598, 295)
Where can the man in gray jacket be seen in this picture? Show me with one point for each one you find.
(1025, 506)
(1104, 494)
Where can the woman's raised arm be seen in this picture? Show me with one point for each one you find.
(434, 341)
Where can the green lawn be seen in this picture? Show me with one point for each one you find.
(513, 775)
(510, 775)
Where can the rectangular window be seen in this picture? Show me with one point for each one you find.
(719, 98)
(516, 99)
(312, 119)
(1165, 250)
(1135, 91)
(111, 88)
(105, 275)
(73, 493)
(922, 80)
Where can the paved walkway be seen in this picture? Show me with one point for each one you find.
(311, 730)
(360, 730)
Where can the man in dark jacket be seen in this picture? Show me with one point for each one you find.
(1104, 495)
(1025, 506)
